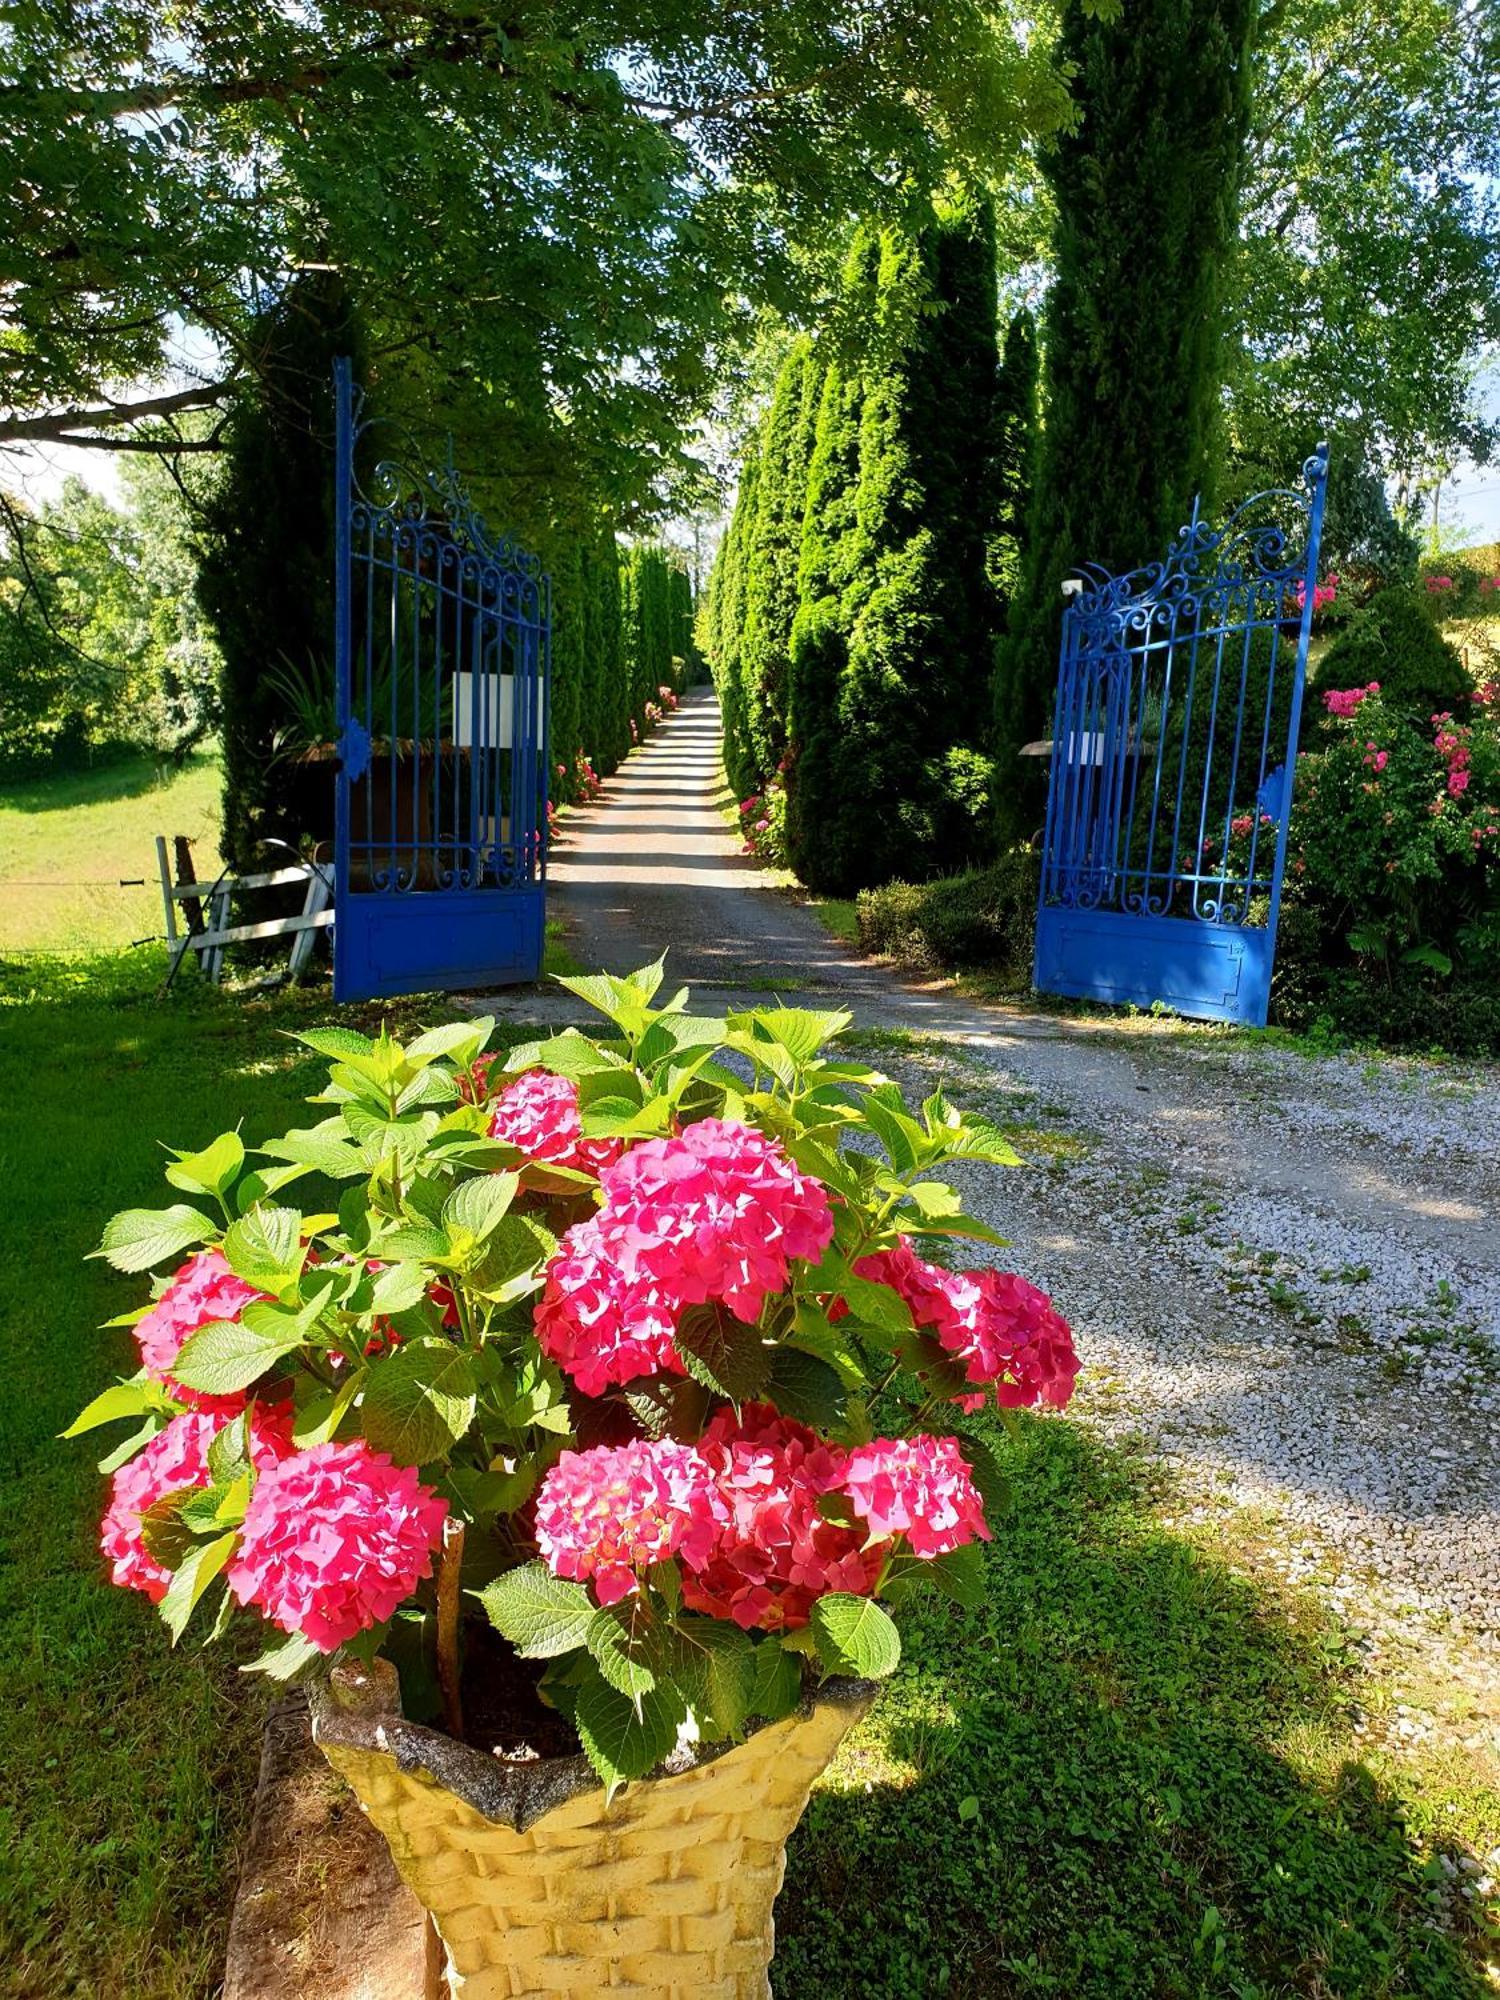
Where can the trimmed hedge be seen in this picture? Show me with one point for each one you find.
(985, 918)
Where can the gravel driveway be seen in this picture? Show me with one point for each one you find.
(1283, 1271)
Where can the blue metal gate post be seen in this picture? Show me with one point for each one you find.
(343, 473)
(1188, 649)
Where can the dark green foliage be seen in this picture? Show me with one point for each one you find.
(1364, 544)
(266, 556)
(650, 625)
(569, 666)
(1014, 435)
(1146, 188)
(895, 567)
(1394, 641)
(985, 918)
(684, 628)
(739, 761)
(774, 553)
(604, 716)
(1133, 1775)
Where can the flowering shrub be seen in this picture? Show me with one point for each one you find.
(763, 822)
(1395, 836)
(638, 1346)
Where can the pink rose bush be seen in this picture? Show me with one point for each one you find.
(641, 1334)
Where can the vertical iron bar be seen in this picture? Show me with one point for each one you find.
(343, 480)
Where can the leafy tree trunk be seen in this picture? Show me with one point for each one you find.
(265, 552)
(1146, 189)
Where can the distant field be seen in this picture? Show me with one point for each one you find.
(65, 843)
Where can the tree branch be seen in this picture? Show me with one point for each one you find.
(57, 428)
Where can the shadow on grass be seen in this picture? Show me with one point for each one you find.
(1128, 1777)
(128, 777)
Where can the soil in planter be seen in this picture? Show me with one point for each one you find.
(503, 1713)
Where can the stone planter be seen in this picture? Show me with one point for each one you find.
(537, 1887)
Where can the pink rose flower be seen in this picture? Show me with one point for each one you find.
(607, 1514)
(335, 1539)
(203, 1290)
(919, 1487)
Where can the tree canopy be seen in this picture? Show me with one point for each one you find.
(556, 217)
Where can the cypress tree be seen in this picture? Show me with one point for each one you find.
(885, 778)
(685, 659)
(1146, 189)
(827, 578)
(1014, 434)
(265, 558)
(738, 761)
(569, 664)
(605, 734)
(774, 554)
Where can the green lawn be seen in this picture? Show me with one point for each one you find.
(65, 843)
(127, 1768)
(1133, 1777)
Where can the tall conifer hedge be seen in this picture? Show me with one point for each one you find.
(1146, 189)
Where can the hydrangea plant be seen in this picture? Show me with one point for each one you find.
(637, 1345)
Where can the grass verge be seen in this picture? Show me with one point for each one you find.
(128, 1768)
(1133, 1775)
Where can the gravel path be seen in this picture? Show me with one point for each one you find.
(1283, 1271)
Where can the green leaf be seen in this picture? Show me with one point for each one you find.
(477, 1206)
(621, 1648)
(287, 1657)
(125, 1399)
(338, 1044)
(801, 1031)
(411, 1243)
(113, 1460)
(901, 1135)
(192, 1577)
(420, 1401)
(974, 1138)
(398, 1288)
(777, 1688)
(723, 1353)
(806, 1388)
(165, 1536)
(460, 1041)
(990, 1480)
(137, 1238)
(960, 1574)
(319, 1418)
(264, 1248)
(325, 1148)
(228, 1355)
(624, 1738)
(542, 1615)
(212, 1171)
(855, 1635)
(716, 1671)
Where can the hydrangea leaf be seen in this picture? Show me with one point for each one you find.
(723, 1353)
(212, 1170)
(855, 1635)
(137, 1238)
(622, 1648)
(625, 1738)
(542, 1615)
(193, 1576)
(420, 1401)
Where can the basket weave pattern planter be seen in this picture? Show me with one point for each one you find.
(537, 1887)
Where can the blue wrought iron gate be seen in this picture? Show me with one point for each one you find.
(1174, 743)
(442, 660)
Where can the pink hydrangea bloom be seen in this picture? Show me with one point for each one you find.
(175, 1460)
(725, 1209)
(538, 1113)
(1344, 701)
(772, 1553)
(605, 1515)
(335, 1538)
(203, 1290)
(919, 1487)
(1005, 1331)
(604, 1315)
